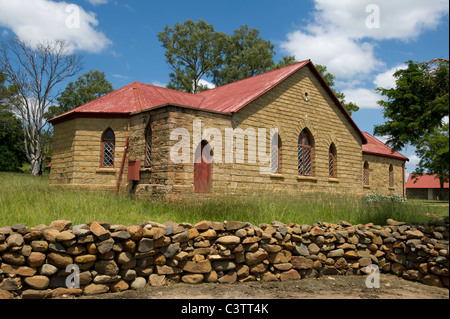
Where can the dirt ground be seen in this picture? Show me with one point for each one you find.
(335, 287)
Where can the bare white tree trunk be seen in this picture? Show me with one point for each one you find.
(35, 72)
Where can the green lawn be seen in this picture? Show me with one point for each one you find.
(433, 207)
(24, 199)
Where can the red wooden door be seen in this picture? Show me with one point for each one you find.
(202, 169)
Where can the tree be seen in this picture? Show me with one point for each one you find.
(433, 150)
(88, 87)
(418, 103)
(193, 50)
(36, 72)
(246, 54)
(285, 61)
(329, 79)
(12, 155)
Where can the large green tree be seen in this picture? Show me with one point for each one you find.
(193, 50)
(417, 104)
(246, 54)
(433, 150)
(285, 61)
(88, 87)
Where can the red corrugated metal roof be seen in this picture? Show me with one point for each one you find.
(228, 98)
(424, 181)
(378, 148)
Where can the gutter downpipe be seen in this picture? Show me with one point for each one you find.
(403, 179)
(121, 167)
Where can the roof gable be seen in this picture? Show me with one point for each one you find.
(232, 97)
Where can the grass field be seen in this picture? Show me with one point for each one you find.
(24, 199)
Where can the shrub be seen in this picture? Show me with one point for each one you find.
(378, 198)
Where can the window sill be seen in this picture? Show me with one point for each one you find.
(276, 175)
(366, 186)
(106, 170)
(333, 180)
(392, 188)
(306, 178)
(146, 170)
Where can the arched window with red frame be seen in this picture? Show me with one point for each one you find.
(391, 176)
(108, 148)
(366, 173)
(148, 148)
(305, 150)
(332, 161)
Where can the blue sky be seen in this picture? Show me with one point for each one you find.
(362, 42)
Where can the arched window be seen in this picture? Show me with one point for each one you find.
(148, 148)
(108, 146)
(275, 154)
(366, 173)
(332, 161)
(391, 176)
(305, 150)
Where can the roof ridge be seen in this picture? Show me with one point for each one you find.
(97, 100)
(253, 77)
(164, 88)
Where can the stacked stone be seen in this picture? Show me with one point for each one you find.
(114, 258)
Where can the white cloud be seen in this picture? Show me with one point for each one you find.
(398, 19)
(343, 57)
(340, 38)
(97, 2)
(364, 98)
(445, 120)
(34, 21)
(384, 138)
(414, 159)
(120, 76)
(208, 84)
(386, 79)
(157, 83)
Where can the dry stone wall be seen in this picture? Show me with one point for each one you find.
(38, 262)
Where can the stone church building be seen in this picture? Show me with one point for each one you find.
(282, 131)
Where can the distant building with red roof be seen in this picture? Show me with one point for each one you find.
(282, 131)
(425, 186)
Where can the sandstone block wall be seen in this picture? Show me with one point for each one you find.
(379, 175)
(77, 151)
(113, 258)
(77, 148)
(285, 108)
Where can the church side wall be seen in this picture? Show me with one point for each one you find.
(378, 181)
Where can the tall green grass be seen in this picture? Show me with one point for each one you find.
(24, 199)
